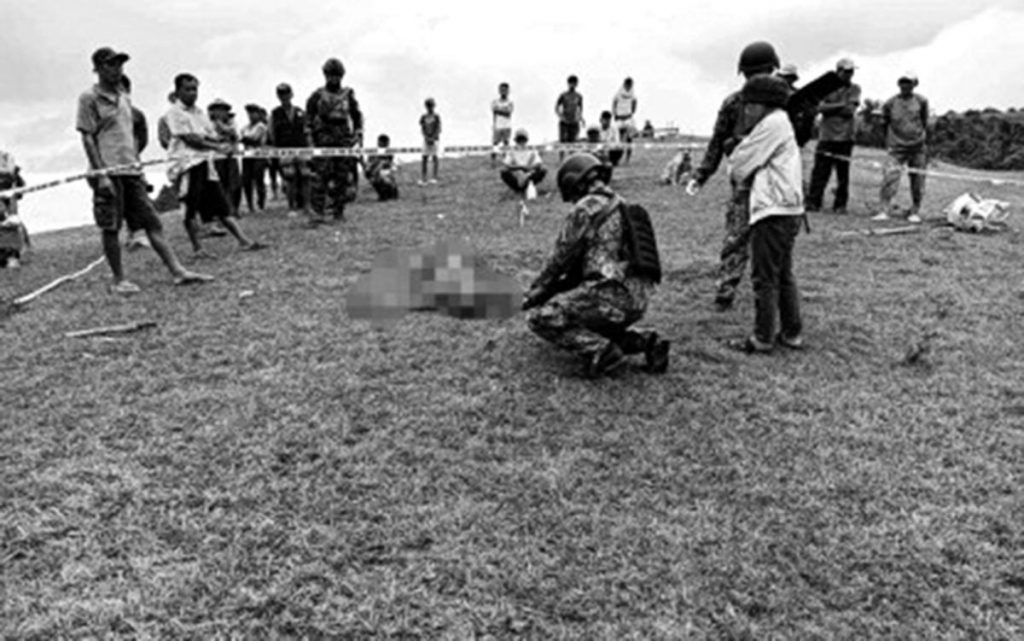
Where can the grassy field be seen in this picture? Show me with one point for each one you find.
(259, 466)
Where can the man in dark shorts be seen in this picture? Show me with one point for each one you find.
(192, 139)
(570, 114)
(105, 121)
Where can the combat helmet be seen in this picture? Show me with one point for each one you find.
(576, 172)
(757, 57)
(334, 66)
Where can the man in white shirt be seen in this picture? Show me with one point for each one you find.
(193, 137)
(501, 112)
(623, 110)
(522, 165)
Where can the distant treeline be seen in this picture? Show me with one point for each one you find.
(985, 139)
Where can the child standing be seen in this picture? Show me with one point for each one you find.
(430, 125)
(770, 155)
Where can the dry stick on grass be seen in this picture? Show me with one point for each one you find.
(28, 298)
(888, 231)
(126, 328)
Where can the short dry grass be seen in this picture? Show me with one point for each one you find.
(263, 467)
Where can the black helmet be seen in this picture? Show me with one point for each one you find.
(757, 57)
(576, 172)
(334, 66)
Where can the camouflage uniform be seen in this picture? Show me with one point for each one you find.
(735, 254)
(334, 120)
(600, 309)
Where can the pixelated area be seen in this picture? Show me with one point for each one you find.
(446, 277)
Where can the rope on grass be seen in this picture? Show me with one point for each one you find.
(28, 298)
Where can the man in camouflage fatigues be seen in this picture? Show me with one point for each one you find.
(758, 58)
(334, 120)
(583, 301)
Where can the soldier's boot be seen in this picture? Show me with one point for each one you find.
(606, 362)
(656, 354)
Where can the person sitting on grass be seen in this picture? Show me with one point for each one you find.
(381, 170)
(769, 155)
(13, 236)
(521, 165)
(104, 120)
(193, 137)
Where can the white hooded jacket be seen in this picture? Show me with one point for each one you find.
(770, 153)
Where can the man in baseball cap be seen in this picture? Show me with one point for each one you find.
(104, 120)
(106, 55)
(905, 122)
(835, 141)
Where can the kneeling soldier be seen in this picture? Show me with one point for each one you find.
(600, 277)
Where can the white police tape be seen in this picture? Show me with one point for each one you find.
(309, 153)
(874, 164)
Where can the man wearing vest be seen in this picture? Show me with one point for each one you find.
(835, 141)
(757, 58)
(288, 131)
(334, 120)
(592, 289)
(905, 122)
(623, 110)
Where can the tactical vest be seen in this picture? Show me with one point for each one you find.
(332, 121)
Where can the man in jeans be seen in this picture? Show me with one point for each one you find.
(835, 141)
(104, 120)
(905, 122)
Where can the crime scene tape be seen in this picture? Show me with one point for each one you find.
(307, 153)
(874, 164)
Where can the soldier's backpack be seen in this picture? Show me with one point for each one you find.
(639, 242)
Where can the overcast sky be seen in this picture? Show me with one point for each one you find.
(682, 55)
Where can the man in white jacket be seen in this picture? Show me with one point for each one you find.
(770, 155)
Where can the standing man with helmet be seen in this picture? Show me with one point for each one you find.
(598, 280)
(623, 110)
(334, 120)
(905, 122)
(757, 58)
(835, 140)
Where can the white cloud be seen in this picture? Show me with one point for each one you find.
(682, 55)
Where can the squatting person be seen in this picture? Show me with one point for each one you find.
(599, 279)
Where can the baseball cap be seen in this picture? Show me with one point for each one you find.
(908, 75)
(104, 55)
(845, 63)
(284, 87)
(219, 104)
